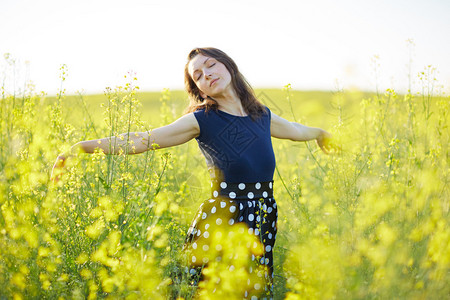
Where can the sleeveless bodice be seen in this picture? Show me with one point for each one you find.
(237, 149)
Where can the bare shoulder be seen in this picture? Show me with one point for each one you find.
(186, 124)
(180, 131)
(188, 120)
(275, 119)
(280, 127)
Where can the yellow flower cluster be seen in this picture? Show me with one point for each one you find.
(371, 221)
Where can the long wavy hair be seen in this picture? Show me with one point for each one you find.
(245, 92)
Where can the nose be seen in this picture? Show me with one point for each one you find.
(208, 74)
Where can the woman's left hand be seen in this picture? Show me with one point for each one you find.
(324, 142)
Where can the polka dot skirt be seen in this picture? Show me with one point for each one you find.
(251, 208)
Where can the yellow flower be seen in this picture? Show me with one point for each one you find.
(82, 258)
(93, 231)
(86, 274)
(19, 280)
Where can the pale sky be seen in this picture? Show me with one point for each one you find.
(309, 44)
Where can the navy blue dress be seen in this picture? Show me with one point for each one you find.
(240, 158)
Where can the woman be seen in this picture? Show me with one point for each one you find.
(233, 130)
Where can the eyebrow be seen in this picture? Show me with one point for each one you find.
(203, 63)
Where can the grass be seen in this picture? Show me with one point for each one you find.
(371, 222)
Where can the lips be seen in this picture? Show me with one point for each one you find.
(212, 82)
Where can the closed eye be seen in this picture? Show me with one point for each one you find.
(212, 64)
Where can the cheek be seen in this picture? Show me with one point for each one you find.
(202, 86)
(226, 73)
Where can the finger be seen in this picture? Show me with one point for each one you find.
(56, 174)
(60, 163)
(322, 147)
(328, 146)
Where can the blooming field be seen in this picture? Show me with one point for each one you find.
(369, 222)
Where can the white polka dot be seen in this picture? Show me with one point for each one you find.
(250, 230)
(232, 195)
(250, 195)
(268, 248)
(192, 271)
(204, 216)
(241, 207)
(219, 221)
(206, 226)
(269, 210)
(218, 247)
(255, 244)
(269, 236)
(258, 218)
(264, 207)
(270, 184)
(231, 268)
(246, 293)
(257, 287)
(222, 204)
(254, 298)
(274, 205)
(212, 184)
(194, 258)
(256, 231)
(241, 218)
(205, 247)
(273, 224)
(232, 209)
(211, 200)
(194, 245)
(261, 261)
(258, 185)
(265, 194)
(199, 232)
(205, 260)
(251, 217)
(249, 204)
(223, 185)
(231, 221)
(251, 270)
(267, 261)
(206, 234)
(215, 193)
(253, 257)
(241, 186)
(213, 210)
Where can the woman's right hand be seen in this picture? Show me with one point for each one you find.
(58, 167)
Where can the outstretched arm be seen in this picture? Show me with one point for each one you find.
(179, 132)
(283, 129)
(176, 133)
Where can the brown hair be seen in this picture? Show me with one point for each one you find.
(245, 92)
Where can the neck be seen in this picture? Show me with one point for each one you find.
(230, 103)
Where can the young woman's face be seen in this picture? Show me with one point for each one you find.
(211, 76)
